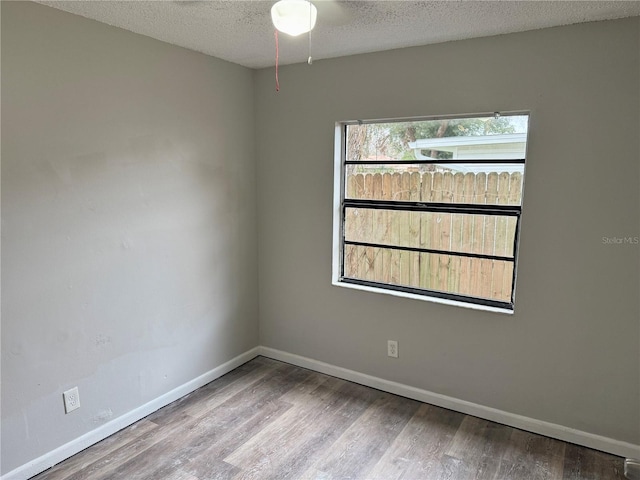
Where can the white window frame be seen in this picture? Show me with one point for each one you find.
(388, 289)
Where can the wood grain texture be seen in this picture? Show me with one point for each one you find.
(270, 420)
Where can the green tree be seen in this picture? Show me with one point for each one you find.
(391, 140)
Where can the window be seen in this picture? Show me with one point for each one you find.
(431, 208)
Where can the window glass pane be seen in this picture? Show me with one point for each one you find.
(452, 162)
(499, 185)
(453, 232)
(490, 279)
(503, 137)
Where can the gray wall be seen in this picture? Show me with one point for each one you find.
(570, 353)
(128, 222)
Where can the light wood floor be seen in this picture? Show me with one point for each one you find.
(271, 420)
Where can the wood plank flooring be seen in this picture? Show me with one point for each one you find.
(271, 420)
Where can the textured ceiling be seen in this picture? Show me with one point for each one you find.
(240, 31)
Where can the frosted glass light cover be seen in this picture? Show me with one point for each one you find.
(294, 17)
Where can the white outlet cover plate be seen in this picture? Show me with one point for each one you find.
(392, 348)
(71, 400)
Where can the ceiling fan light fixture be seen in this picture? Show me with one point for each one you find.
(294, 17)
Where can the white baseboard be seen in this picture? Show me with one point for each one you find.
(547, 429)
(67, 450)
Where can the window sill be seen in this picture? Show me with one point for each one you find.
(423, 298)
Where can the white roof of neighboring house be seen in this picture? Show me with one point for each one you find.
(509, 146)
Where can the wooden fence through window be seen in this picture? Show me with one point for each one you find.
(483, 234)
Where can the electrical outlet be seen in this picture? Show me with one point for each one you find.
(392, 348)
(71, 400)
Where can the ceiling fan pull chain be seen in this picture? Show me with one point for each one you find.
(310, 60)
(277, 54)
